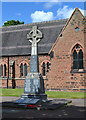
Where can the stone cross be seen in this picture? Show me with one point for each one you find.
(34, 91)
(34, 37)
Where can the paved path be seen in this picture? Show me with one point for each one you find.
(75, 102)
(74, 110)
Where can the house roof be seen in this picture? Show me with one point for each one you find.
(14, 38)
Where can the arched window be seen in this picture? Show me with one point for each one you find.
(1, 70)
(25, 68)
(48, 66)
(77, 57)
(80, 59)
(4, 69)
(75, 60)
(43, 69)
(21, 70)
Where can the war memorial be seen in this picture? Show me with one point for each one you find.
(34, 92)
(34, 85)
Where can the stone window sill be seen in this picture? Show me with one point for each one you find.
(22, 77)
(78, 71)
(3, 77)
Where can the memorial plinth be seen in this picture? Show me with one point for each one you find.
(34, 91)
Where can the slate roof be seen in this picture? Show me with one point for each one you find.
(14, 38)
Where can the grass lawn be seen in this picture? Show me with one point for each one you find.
(50, 94)
(70, 95)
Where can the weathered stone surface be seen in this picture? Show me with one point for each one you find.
(48, 105)
(34, 37)
(34, 64)
(27, 101)
(34, 91)
(34, 84)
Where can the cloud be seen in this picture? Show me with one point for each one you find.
(66, 12)
(39, 16)
(51, 3)
(62, 13)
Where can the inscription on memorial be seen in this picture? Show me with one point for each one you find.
(32, 85)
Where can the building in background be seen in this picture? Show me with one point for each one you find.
(62, 54)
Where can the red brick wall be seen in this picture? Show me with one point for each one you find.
(19, 81)
(60, 76)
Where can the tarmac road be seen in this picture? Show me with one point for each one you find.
(74, 110)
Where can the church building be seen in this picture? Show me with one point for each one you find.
(61, 52)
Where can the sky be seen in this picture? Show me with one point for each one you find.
(30, 12)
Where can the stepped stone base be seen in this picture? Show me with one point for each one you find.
(34, 92)
(46, 105)
(31, 99)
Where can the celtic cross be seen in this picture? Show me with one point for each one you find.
(34, 37)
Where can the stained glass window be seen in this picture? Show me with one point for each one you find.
(43, 69)
(1, 70)
(4, 69)
(77, 47)
(80, 59)
(25, 67)
(48, 66)
(75, 60)
(21, 69)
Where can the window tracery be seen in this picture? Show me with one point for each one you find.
(77, 57)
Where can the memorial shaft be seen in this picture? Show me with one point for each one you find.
(34, 58)
(34, 82)
(34, 37)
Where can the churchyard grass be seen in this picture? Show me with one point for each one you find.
(70, 95)
(11, 92)
(50, 94)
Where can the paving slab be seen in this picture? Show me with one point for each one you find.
(76, 109)
(76, 102)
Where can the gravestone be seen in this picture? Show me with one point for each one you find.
(34, 91)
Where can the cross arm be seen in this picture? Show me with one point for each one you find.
(38, 40)
(30, 41)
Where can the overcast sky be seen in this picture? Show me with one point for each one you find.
(30, 12)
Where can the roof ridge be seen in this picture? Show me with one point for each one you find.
(51, 21)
